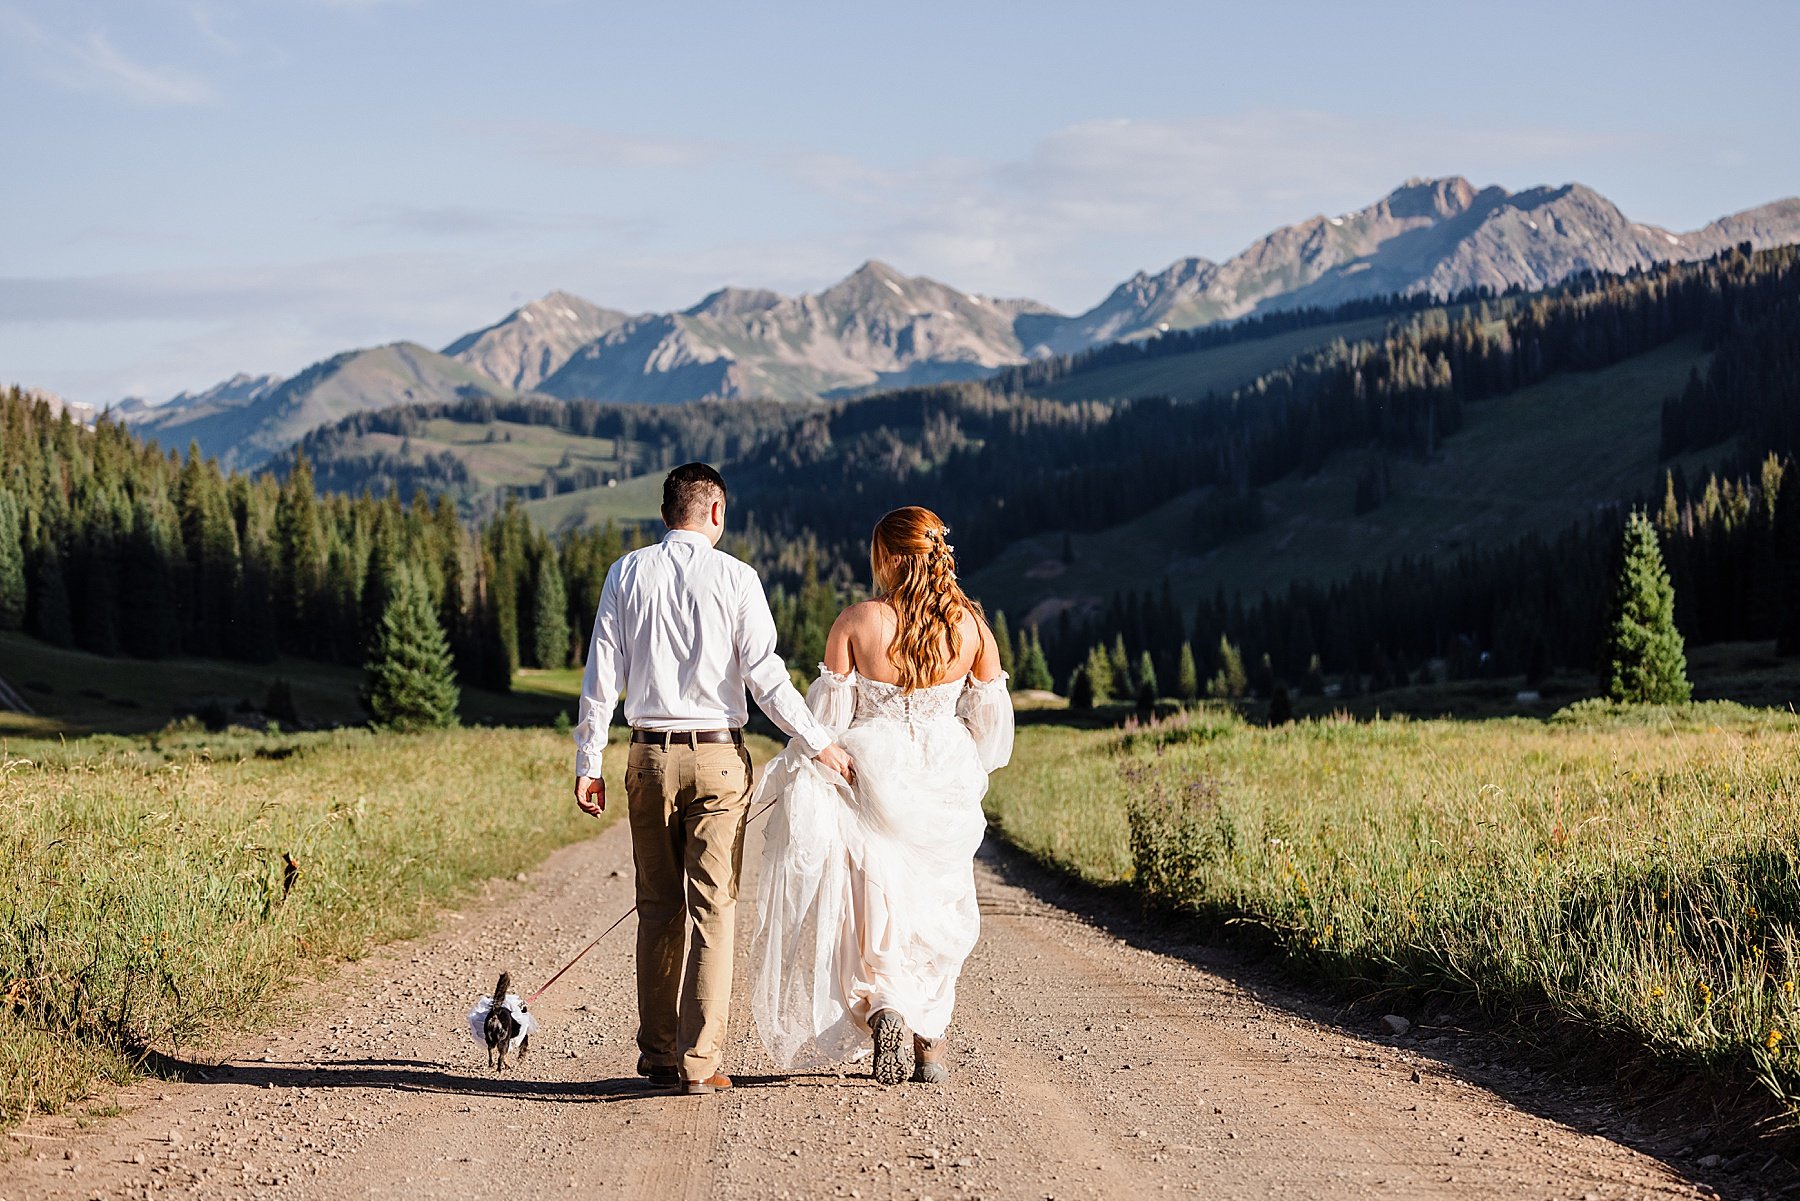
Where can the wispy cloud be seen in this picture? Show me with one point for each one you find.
(1084, 203)
(156, 332)
(485, 224)
(571, 144)
(90, 62)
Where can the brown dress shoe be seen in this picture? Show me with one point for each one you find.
(718, 1082)
(668, 1077)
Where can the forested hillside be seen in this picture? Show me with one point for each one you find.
(108, 544)
(243, 566)
(1008, 467)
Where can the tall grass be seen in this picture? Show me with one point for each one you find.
(1629, 873)
(143, 892)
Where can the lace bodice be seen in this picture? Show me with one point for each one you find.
(879, 701)
(983, 707)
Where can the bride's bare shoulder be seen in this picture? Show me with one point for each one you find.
(869, 614)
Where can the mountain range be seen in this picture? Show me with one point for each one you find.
(879, 328)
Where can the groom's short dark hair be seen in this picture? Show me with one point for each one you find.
(687, 491)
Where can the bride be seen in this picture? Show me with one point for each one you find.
(866, 898)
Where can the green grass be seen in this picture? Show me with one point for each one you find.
(1538, 460)
(638, 499)
(563, 683)
(1217, 369)
(1623, 876)
(141, 899)
(513, 454)
(140, 894)
(75, 692)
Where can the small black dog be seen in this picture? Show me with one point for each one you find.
(501, 1026)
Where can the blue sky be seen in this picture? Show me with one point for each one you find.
(198, 187)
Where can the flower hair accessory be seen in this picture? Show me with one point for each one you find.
(939, 538)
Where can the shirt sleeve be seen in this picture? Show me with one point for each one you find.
(602, 682)
(767, 676)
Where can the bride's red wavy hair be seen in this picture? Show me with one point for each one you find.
(914, 567)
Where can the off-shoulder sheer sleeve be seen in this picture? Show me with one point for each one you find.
(985, 709)
(832, 699)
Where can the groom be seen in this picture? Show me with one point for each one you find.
(681, 630)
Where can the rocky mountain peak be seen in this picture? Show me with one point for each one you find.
(735, 302)
(530, 343)
(1429, 198)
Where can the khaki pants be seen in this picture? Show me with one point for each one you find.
(687, 807)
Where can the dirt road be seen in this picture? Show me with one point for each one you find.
(1084, 1067)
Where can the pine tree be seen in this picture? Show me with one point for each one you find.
(1121, 684)
(12, 563)
(1003, 644)
(49, 596)
(98, 608)
(1785, 572)
(1229, 682)
(1081, 689)
(550, 637)
(1146, 674)
(1034, 669)
(1281, 706)
(1187, 675)
(497, 624)
(412, 682)
(151, 621)
(253, 635)
(1645, 661)
(1098, 671)
(299, 558)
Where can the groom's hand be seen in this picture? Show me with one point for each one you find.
(590, 795)
(838, 761)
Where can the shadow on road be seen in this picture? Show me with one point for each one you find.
(423, 1076)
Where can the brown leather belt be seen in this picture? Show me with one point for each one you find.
(668, 738)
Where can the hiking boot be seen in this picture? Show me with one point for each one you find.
(889, 1031)
(930, 1060)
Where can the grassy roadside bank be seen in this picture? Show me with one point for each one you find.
(142, 899)
(1633, 875)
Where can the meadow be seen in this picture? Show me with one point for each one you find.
(145, 902)
(1624, 879)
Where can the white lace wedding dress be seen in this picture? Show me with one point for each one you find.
(866, 897)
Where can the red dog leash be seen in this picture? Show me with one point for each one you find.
(565, 967)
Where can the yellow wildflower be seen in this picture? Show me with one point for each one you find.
(1656, 992)
(1773, 1042)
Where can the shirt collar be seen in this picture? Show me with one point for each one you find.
(692, 536)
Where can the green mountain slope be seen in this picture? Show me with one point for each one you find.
(1537, 460)
(1219, 369)
(245, 432)
(636, 500)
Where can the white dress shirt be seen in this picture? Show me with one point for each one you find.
(682, 628)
